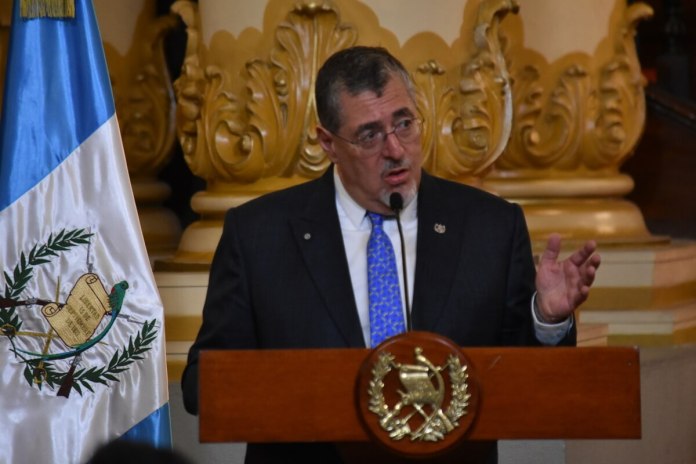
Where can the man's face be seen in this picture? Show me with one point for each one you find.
(371, 179)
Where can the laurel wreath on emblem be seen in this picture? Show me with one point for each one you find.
(436, 424)
(39, 371)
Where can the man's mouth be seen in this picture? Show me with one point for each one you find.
(396, 176)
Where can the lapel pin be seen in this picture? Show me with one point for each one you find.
(440, 228)
(307, 236)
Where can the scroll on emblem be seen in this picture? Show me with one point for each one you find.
(77, 320)
(417, 393)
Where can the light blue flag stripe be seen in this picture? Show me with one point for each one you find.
(57, 94)
(66, 99)
(154, 429)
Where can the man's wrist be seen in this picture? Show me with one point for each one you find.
(540, 318)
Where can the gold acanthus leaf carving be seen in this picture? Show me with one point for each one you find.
(231, 139)
(473, 123)
(189, 86)
(584, 121)
(547, 133)
(145, 104)
(434, 101)
(621, 117)
(305, 40)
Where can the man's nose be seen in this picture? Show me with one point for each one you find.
(393, 148)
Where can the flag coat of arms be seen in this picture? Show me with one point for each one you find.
(82, 351)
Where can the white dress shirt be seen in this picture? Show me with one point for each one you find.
(356, 228)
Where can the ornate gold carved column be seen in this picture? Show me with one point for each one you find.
(579, 112)
(145, 106)
(246, 116)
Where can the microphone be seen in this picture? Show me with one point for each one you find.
(396, 204)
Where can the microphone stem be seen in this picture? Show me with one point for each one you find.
(404, 273)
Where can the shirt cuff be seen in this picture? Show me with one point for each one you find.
(549, 334)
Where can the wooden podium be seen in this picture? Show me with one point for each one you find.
(520, 393)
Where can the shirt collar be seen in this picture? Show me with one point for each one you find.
(356, 214)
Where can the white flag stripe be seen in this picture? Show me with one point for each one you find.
(76, 196)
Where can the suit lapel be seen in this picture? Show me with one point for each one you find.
(318, 236)
(438, 250)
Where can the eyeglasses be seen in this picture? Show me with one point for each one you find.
(372, 142)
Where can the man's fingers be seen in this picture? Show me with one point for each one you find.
(588, 276)
(596, 260)
(581, 256)
(582, 295)
(553, 248)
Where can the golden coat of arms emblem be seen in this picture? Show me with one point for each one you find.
(422, 395)
(416, 394)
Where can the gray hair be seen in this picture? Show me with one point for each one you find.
(355, 70)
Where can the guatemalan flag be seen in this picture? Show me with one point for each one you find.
(82, 357)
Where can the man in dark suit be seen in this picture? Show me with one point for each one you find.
(290, 268)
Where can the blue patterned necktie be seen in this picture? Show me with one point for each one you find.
(386, 315)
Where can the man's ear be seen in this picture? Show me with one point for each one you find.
(326, 140)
